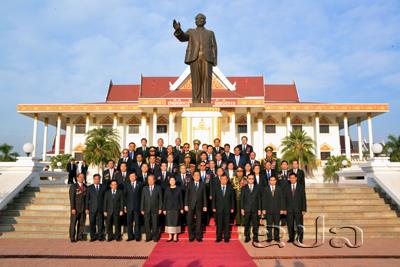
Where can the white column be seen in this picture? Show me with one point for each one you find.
(232, 127)
(58, 133)
(87, 122)
(248, 121)
(115, 121)
(45, 132)
(316, 136)
(260, 141)
(34, 135)
(370, 137)
(154, 136)
(171, 127)
(143, 126)
(346, 136)
(69, 129)
(288, 125)
(360, 152)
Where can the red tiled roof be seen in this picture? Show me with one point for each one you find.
(281, 93)
(62, 145)
(158, 87)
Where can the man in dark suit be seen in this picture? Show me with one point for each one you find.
(219, 163)
(163, 177)
(84, 169)
(144, 150)
(137, 165)
(195, 204)
(109, 174)
(300, 173)
(144, 173)
(273, 205)
(71, 169)
(239, 160)
(132, 151)
(245, 148)
(283, 176)
(227, 156)
(151, 208)
(113, 209)
(172, 167)
(268, 171)
(296, 205)
(177, 151)
(250, 202)
(122, 176)
(252, 160)
(77, 198)
(132, 195)
(161, 151)
(201, 55)
(217, 146)
(128, 161)
(223, 203)
(183, 178)
(94, 208)
(154, 168)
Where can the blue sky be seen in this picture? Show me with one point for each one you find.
(67, 51)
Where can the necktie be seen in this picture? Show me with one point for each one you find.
(197, 185)
(223, 190)
(151, 190)
(251, 188)
(97, 188)
(273, 190)
(133, 186)
(113, 194)
(293, 189)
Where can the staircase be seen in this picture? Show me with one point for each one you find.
(44, 213)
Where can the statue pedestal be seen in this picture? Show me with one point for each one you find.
(201, 122)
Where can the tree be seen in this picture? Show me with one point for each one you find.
(393, 146)
(7, 154)
(63, 158)
(101, 145)
(298, 145)
(334, 164)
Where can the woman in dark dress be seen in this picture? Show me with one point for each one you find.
(173, 204)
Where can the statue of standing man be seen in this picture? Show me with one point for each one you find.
(201, 55)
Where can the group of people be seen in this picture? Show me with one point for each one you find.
(170, 187)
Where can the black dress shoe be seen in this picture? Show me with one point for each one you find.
(92, 239)
(218, 240)
(137, 239)
(102, 239)
(255, 240)
(191, 239)
(148, 240)
(247, 240)
(226, 240)
(290, 241)
(129, 239)
(269, 240)
(73, 240)
(170, 240)
(176, 240)
(199, 240)
(109, 239)
(277, 240)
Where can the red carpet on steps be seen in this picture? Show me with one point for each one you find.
(195, 254)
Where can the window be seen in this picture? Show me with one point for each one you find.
(297, 127)
(242, 128)
(270, 128)
(107, 126)
(162, 128)
(78, 156)
(325, 155)
(324, 128)
(133, 129)
(80, 129)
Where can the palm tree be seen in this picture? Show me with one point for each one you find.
(6, 154)
(393, 145)
(298, 145)
(334, 164)
(101, 145)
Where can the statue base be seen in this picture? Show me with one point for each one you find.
(202, 123)
(200, 105)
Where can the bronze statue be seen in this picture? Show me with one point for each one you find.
(201, 55)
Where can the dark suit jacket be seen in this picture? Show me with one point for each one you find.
(107, 176)
(198, 39)
(249, 149)
(298, 202)
(196, 199)
(145, 153)
(273, 205)
(163, 181)
(71, 168)
(262, 180)
(84, 169)
(156, 170)
(251, 201)
(256, 162)
(223, 204)
(242, 161)
(162, 154)
(137, 168)
(300, 177)
(221, 150)
(121, 179)
(229, 158)
(151, 203)
(129, 164)
(77, 197)
(272, 174)
(94, 199)
(132, 196)
(183, 183)
(113, 205)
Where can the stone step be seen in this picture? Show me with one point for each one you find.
(337, 208)
(342, 196)
(352, 214)
(353, 202)
(48, 188)
(48, 213)
(29, 206)
(349, 190)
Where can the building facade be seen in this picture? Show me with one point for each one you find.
(159, 107)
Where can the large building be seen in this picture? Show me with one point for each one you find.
(159, 107)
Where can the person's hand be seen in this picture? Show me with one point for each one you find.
(87, 211)
(231, 210)
(210, 197)
(125, 210)
(182, 211)
(121, 213)
(259, 212)
(241, 211)
(73, 211)
(165, 212)
(214, 210)
(264, 212)
(142, 212)
(105, 213)
(304, 213)
(176, 25)
(159, 211)
(205, 209)
(186, 208)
